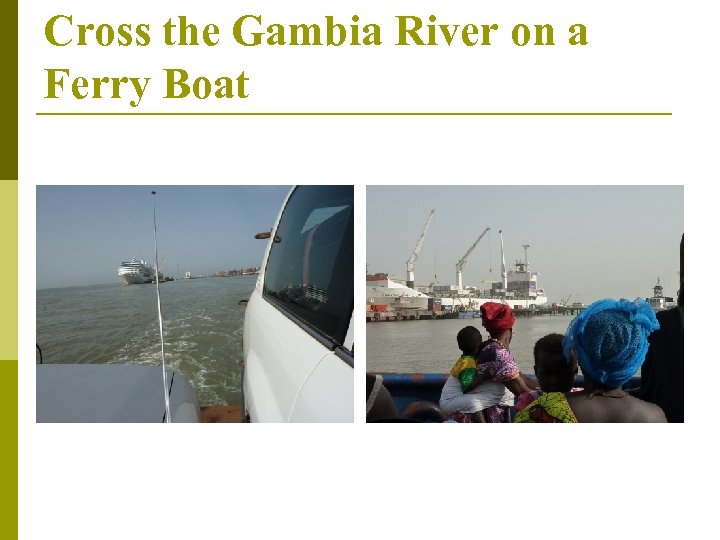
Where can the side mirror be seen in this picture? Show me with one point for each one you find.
(265, 235)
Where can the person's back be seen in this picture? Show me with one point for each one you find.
(616, 406)
(663, 372)
(662, 375)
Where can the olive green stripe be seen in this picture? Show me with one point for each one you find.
(9, 449)
(9, 92)
(353, 114)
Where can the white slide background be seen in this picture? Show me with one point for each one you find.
(330, 481)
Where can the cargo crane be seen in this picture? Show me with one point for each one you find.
(416, 252)
(462, 262)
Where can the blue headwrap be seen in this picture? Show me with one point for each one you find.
(610, 339)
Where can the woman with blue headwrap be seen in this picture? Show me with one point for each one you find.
(609, 340)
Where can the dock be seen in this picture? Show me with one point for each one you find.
(417, 315)
(549, 310)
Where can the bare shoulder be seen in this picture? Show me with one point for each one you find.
(644, 411)
(606, 409)
(583, 408)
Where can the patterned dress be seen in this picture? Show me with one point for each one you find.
(497, 358)
(549, 408)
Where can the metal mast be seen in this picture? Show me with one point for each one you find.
(462, 262)
(503, 271)
(525, 246)
(416, 252)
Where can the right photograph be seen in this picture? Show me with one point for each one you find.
(525, 304)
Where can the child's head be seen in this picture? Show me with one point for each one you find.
(469, 340)
(554, 373)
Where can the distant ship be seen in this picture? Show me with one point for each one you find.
(135, 272)
(383, 290)
(518, 289)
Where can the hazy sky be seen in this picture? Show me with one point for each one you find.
(84, 232)
(588, 242)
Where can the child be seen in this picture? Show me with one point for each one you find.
(465, 369)
(556, 376)
(458, 398)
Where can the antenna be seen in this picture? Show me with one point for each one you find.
(503, 271)
(160, 321)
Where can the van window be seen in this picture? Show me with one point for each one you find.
(309, 271)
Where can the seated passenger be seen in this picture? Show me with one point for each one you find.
(609, 340)
(663, 372)
(555, 376)
(497, 361)
(424, 411)
(379, 404)
(497, 379)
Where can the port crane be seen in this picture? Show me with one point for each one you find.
(416, 252)
(462, 262)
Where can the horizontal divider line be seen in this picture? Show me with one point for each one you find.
(353, 114)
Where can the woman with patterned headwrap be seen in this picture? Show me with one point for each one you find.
(495, 359)
(609, 340)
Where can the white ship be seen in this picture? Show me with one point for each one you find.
(383, 290)
(517, 288)
(135, 271)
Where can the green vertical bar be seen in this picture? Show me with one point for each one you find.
(8, 449)
(9, 93)
(8, 274)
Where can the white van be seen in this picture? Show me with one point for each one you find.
(298, 334)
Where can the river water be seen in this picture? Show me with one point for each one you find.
(118, 324)
(430, 346)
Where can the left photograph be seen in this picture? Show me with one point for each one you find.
(194, 303)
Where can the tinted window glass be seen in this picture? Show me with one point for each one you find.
(310, 268)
